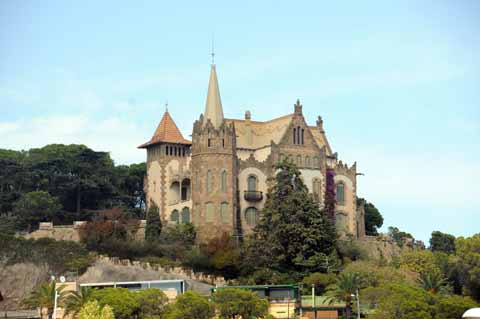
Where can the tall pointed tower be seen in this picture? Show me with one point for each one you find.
(214, 168)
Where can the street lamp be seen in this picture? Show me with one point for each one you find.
(62, 280)
(357, 296)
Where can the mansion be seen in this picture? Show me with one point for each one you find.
(218, 181)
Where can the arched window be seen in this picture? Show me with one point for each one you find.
(174, 217)
(166, 150)
(316, 189)
(307, 162)
(210, 214)
(294, 136)
(298, 135)
(224, 181)
(222, 136)
(185, 215)
(251, 216)
(301, 137)
(252, 183)
(340, 194)
(316, 162)
(225, 213)
(209, 181)
(299, 160)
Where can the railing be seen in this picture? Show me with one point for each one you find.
(253, 196)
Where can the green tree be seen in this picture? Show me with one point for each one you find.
(320, 281)
(399, 236)
(76, 300)
(123, 302)
(152, 303)
(92, 310)
(292, 233)
(468, 264)
(44, 298)
(373, 218)
(35, 207)
(453, 307)
(442, 242)
(420, 261)
(190, 305)
(346, 286)
(154, 224)
(400, 301)
(234, 303)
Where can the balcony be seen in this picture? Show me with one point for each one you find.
(253, 196)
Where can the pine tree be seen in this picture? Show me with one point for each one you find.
(154, 224)
(292, 233)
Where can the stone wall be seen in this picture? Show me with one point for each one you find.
(377, 247)
(108, 269)
(72, 232)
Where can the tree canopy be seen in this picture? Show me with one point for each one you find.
(442, 242)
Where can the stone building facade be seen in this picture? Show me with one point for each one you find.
(218, 181)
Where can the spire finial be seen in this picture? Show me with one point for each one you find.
(166, 106)
(213, 48)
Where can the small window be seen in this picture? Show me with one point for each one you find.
(185, 215)
(210, 215)
(225, 213)
(209, 181)
(174, 217)
(307, 162)
(316, 189)
(224, 181)
(341, 194)
(299, 160)
(316, 162)
(252, 183)
(251, 216)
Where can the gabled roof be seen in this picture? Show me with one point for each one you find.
(166, 132)
(254, 134)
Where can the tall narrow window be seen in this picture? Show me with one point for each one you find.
(210, 214)
(252, 183)
(299, 160)
(294, 136)
(298, 135)
(341, 194)
(225, 213)
(316, 163)
(209, 138)
(302, 135)
(224, 181)
(175, 217)
(307, 161)
(209, 181)
(251, 216)
(185, 215)
(316, 189)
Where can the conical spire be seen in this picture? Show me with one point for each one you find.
(213, 107)
(166, 132)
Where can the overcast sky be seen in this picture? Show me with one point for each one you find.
(398, 85)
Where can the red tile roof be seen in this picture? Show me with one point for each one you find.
(166, 132)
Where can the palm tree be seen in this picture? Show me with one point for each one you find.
(44, 298)
(75, 300)
(346, 286)
(432, 282)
